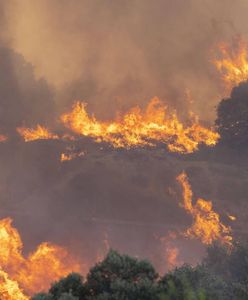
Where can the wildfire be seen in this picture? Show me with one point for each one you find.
(39, 133)
(70, 156)
(206, 222)
(139, 128)
(20, 276)
(9, 289)
(233, 62)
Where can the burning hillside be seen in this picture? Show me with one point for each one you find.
(23, 276)
(91, 160)
(137, 128)
(39, 133)
(206, 222)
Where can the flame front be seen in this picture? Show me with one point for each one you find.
(206, 222)
(39, 133)
(20, 277)
(233, 62)
(136, 128)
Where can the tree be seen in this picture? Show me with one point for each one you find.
(121, 277)
(67, 288)
(217, 260)
(232, 117)
(232, 266)
(72, 284)
(67, 296)
(42, 296)
(192, 283)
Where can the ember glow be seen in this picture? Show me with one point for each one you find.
(156, 124)
(232, 218)
(3, 138)
(70, 156)
(22, 276)
(232, 62)
(206, 222)
(38, 133)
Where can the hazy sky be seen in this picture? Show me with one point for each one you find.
(122, 53)
(113, 54)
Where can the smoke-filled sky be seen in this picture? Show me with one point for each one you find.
(112, 55)
(116, 54)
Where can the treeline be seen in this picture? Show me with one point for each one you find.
(223, 274)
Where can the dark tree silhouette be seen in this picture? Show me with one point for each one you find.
(122, 277)
(232, 117)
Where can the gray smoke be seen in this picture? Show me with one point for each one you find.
(112, 54)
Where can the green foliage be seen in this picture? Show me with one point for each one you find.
(122, 277)
(217, 259)
(223, 275)
(191, 283)
(72, 284)
(42, 296)
(232, 266)
(68, 288)
(67, 296)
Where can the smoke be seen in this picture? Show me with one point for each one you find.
(113, 55)
(131, 198)
(24, 100)
(119, 54)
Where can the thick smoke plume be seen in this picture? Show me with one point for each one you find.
(113, 55)
(119, 54)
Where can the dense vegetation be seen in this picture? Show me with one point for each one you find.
(223, 274)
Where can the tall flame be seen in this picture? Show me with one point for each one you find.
(206, 222)
(20, 276)
(233, 62)
(38, 133)
(9, 289)
(136, 128)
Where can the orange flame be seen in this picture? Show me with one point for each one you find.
(34, 273)
(137, 128)
(39, 133)
(233, 62)
(9, 289)
(206, 223)
(70, 156)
